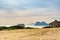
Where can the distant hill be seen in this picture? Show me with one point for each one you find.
(41, 24)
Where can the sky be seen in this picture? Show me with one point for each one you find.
(28, 11)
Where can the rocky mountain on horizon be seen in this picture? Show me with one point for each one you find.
(41, 24)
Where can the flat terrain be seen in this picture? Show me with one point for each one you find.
(31, 34)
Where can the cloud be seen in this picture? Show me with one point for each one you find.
(44, 12)
(30, 12)
(27, 4)
(12, 21)
(28, 16)
(36, 12)
(27, 11)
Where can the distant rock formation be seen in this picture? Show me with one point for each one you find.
(55, 23)
(41, 24)
(18, 26)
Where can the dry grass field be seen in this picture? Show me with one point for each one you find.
(31, 34)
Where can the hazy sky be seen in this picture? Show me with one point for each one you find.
(28, 11)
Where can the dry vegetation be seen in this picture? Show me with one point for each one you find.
(31, 34)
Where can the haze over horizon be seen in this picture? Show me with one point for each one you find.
(28, 11)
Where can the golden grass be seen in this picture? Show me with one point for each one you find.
(31, 34)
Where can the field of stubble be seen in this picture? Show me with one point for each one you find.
(31, 34)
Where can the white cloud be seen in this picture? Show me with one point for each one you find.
(25, 20)
(26, 4)
(33, 11)
(36, 12)
(25, 16)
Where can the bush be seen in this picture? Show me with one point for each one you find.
(47, 27)
(16, 27)
(3, 27)
(21, 26)
(51, 27)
